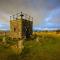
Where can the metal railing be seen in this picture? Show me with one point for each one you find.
(21, 16)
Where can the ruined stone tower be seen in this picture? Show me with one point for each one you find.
(21, 26)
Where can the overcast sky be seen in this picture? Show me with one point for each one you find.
(45, 13)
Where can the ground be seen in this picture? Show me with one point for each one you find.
(45, 46)
(42, 46)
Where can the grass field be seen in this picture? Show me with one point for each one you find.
(42, 46)
(45, 46)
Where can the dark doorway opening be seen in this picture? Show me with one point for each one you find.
(27, 33)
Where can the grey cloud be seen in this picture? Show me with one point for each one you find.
(38, 9)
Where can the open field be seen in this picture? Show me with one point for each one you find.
(45, 46)
(42, 46)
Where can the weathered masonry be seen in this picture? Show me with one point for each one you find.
(21, 26)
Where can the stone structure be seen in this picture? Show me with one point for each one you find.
(21, 27)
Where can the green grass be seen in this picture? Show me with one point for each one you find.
(48, 48)
(6, 53)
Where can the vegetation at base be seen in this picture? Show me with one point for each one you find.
(8, 41)
(38, 47)
(6, 52)
(47, 48)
